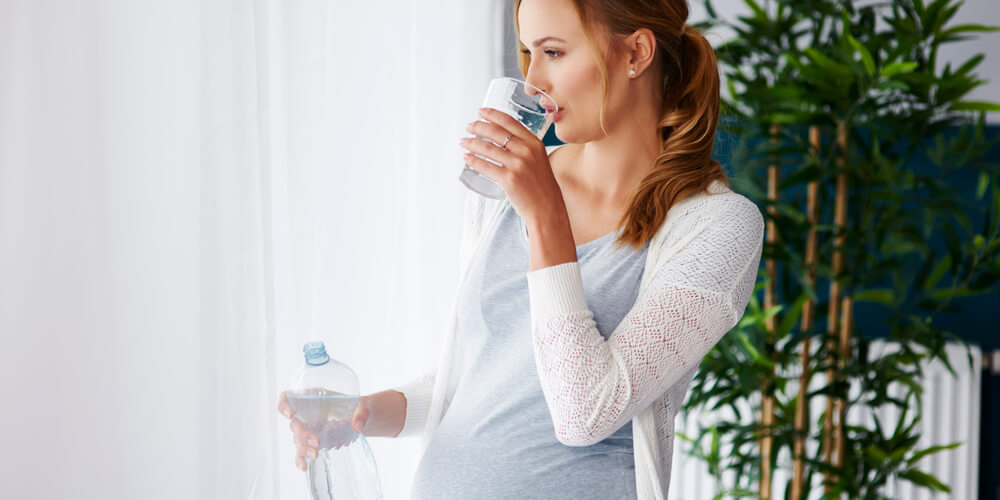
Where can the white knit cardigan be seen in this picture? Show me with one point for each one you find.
(700, 271)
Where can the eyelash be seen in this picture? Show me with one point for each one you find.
(551, 53)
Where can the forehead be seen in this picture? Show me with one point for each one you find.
(542, 18)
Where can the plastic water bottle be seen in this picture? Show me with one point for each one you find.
(324, 394)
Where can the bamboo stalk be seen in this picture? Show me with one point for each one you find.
(831, 324)
(846, 322)
(808, 310)
(770, 300)
(846, 303)
(830, 438)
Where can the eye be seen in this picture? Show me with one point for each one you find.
(549, 52)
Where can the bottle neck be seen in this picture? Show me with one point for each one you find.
(315, 354)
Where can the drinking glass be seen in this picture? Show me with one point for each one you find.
(534, 111)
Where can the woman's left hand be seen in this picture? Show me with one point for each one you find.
(526, 175)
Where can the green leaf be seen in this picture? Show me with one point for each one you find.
(970, 64)
(892, 85)
(758, 12)
(967, 28)
(754, 353)
(787, 118)
(880, 295)
(792, 317)
(924, 479)
(931, 18)
(954, 245)
(866, 56)
(876, 454)
(809, 173)
(937, 273)
(898, 68)
(828, 64)
(929, 451)
(953, 293)
(946, 15)
(977, 106)
(984, 182)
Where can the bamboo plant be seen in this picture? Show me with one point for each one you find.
(829, 103)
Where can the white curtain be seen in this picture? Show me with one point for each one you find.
(189, 191)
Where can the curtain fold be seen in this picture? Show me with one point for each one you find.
(191, 190)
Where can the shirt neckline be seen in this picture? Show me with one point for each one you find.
(579, 248)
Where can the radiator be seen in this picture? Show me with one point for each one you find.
(950, 412)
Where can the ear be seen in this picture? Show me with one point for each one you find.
(640, 49)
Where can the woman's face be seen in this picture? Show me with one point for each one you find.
(564, 66)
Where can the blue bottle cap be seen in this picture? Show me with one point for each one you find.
(315, 353)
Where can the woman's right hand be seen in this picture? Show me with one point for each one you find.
(307, 443)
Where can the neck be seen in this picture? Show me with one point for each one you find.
(614, 166)
(609, 168)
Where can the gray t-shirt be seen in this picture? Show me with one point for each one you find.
(497, 439)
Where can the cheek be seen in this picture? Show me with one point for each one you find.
(582, 92)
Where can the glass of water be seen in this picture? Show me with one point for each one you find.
(525, 103)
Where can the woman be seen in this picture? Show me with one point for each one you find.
(591, 294)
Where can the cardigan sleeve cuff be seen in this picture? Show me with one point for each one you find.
(418, 405)
(556, 290)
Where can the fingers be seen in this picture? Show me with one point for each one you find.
(301, 455)
(302, 437)
(489, 150)
(493, 133)
(283, 407)
(360, 419)
(505, 121)
(486, 168)
(306, 443)
(306, 452)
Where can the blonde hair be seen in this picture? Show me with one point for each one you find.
(690, 109)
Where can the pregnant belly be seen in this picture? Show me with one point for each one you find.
(522, 461)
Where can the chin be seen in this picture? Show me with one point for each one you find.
(567, 134)
(571, 135)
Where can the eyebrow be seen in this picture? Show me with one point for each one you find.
(540, 41)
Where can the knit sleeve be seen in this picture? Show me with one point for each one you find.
(418, 403)
(594, 386)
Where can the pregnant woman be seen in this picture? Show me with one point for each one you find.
(589, 295)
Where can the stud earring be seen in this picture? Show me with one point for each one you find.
(631, 72)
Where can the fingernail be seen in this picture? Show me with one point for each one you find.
(313, 443)
(311, 453)
(288, 413)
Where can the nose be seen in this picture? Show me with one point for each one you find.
(534, 81)
(534, 84)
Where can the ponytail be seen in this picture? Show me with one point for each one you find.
(690, 116)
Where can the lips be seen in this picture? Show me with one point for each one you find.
(552, 112)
